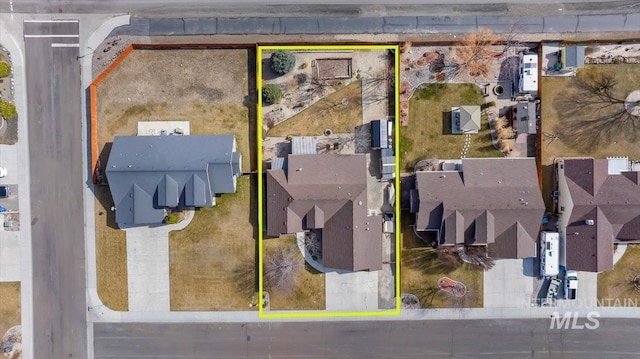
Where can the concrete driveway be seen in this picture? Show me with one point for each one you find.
(9, 256)
(351, 292)
(9, 240)
(148, 266)
(148, 269)
(507, 284)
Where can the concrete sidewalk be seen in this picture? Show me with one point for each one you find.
(18, 245)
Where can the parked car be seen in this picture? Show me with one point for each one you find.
(5, 191)
(3, 172)
(571, 284)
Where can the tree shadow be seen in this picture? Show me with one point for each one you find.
(374, 164)
(250, 102)
(446, 123)
(427, 261)
(363, 138)
(267, 72)
(103, 195)
(593, 115)
(508, 69)
(253, 219)
(548, 186)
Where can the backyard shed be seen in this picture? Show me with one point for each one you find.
(381, 134)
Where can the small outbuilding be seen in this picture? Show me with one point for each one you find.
(465, 119)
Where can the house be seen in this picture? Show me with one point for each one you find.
(528, 70)
(465, 119)
(149, 174)
(491, 202)
(326, 193)
(598, 206)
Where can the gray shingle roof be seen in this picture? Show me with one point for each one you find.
(327, 192)
(148, 173)
(611, 201)
(493, 201)
(524, 117)
(470, 117)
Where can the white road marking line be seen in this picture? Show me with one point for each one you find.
(51, 35)
(49, 20)
(64, 45)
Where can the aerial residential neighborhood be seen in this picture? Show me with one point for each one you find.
(326, 181)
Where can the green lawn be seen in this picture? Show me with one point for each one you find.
(617, 284)
(429, 131)
(328, 113)
(421, 270)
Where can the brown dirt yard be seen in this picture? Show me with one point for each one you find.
(111, 254)
(9, 306)
(616, 286)
(309, 292)
(329, 112)
(212, 261)
(209, 87)
(421, 270)
(628, 77)
(214, 90)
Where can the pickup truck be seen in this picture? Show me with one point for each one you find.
(570, 284)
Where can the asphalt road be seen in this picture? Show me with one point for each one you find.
(57, 216)
(326, 25)
(243, 8)
(393, 339)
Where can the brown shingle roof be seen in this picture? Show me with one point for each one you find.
(327, 192)
(611, 201)
(493, 202)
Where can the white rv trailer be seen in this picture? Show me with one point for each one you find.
(549, 254)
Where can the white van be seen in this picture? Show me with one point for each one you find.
(549, 254)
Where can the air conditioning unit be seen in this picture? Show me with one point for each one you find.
(589, 222)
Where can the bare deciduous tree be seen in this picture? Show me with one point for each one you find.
(477, 257)
(282, 268)
(313, 244)
(448, 257)
(593, 112)
(474, 56)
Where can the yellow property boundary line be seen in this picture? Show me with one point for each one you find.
(315, 313)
